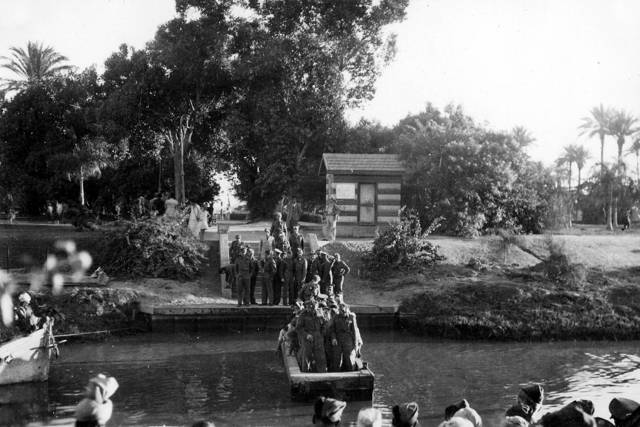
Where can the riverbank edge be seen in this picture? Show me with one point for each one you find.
(608, 309)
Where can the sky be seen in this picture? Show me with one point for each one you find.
(540, 64)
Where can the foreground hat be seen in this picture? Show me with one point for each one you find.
(469, 414)
(25, 298)
(109, 385)
(514, 422)
(621, 408)
(450, 410)
(456, 422)
(369, 417)
(568, 416)
(533, 393)
(405, 414)
(332, 409)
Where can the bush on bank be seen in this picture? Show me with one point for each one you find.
(151, 248)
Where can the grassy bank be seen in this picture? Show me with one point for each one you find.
(509, 297)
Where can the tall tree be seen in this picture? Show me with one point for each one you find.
(33, 66)
(580, 156)
(522, 136)
(635, 149)
(620, 127)
(597, 124)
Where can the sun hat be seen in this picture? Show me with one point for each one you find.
(25, 298)
(332, 409)
(514, 422)
(369, 417)
(109, 385)
(469, 414)
(456, 422)
(450, 410)
(621, 408)
(568, 416)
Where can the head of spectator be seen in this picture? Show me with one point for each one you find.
(315, 279)
(296, 229)
(336, 256)
(469, 414)
(238, 238)
(277, 216)
(328, 411)
(299, 252)
(569, 416)
(251, 252)
(369, 417)
(405, 415)
(514, 422)
(451, 410)
(456, 422)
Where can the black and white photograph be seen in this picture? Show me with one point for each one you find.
(296, 213)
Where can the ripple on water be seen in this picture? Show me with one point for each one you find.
(236, 380)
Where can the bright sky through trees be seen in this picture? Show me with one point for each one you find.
(540, 64)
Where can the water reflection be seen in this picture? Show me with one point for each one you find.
(236, 380)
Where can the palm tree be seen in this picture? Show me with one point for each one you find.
(635, 149)
(597, 124)
(34, 65)
(580, 156)
(522, 136)
(621, 126)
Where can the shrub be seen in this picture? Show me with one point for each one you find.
(151, 248)
(404, 245)
(558, 266)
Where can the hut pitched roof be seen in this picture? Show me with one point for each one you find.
(362, 164)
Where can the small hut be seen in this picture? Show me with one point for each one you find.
(367, 190)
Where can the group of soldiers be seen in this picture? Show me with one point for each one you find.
(323, 333)
(284, 270)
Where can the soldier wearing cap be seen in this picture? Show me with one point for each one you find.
(310, 290)
(346, 335)
(313, 267)
(339, 269)
(309, 327)
(243, 268)
(334, 353)
(278, 278)
(296, 240)
(325, 273)
(287, 276)
(278, 229)
(270, 269)
(299, 264)
(255, 270)
(235, 249)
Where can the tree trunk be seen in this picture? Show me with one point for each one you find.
(609, 223)
(178, 170)
(638, 168)
(81, 186)
(601, 155)
(615, 212)
(160, 175)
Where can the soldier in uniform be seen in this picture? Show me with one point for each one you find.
(333, 351)
(299, 275)
(339, 270)
(254, 276)
(310, 290)
(313, 265)
(346, 336)
(278, 279)
(309, 327)
(326, 276)
(296, 240)
(278, 226)
(235, 248)
(244, 267)
(270, 270)
(287, 274)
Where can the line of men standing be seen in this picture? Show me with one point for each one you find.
(284, 269)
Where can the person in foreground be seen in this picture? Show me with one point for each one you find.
(96, 408)
(327, 411)
(405, 415)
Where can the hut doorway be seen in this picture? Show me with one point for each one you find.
(367, 203)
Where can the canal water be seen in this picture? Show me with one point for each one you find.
(236, 380)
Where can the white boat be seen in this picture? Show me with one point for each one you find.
(26, 359)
